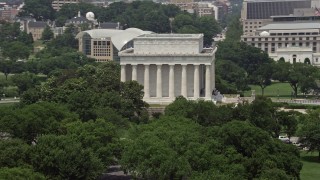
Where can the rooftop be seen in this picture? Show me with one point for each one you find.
(273, 0)
(287, 26)
(171, 36)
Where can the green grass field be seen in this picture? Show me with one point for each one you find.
(311, 166)
(276, 89)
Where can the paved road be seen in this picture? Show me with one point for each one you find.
(9, 100)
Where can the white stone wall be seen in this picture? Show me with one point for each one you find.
(167, 46)
(288, 56)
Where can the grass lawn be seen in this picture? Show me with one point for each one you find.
(277, 88)
(311, 166)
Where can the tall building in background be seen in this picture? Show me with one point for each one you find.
(257, 13)
(56, 4)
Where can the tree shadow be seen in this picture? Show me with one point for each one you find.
(310, 158)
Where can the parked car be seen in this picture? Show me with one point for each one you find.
(284, 138)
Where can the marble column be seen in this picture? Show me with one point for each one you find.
(213, 76)
(159, 81)
(196, 83)
(171, 81)
(208, 82)
(146, 81)
(184, 81)
(134, 72)
(123, 73)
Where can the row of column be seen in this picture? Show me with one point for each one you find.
(171, 80)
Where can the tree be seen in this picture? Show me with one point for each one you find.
(263, 115)
(6, 67)
(232, 73)
(16, 50)
(25, 81)
(157, 21)
(20, 173)
(47, 34)
(281, 59)
(262, 76)
(31, 121)
(13, 153)
(209, 27)
(99, 135)
(262, 154)
(63, 157)
(246, 56)
(39, 9)
(307, 61)
(310, 131)
(166, 149)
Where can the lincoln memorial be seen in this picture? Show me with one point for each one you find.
(170, 65)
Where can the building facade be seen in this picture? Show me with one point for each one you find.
(258, 13)
(36, 29)
(104, 44)
(294, 41)
(57, 4)
(170, 65)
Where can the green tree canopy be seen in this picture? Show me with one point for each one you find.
(39, 9)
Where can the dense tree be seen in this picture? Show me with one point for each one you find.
(47, 34)
(16, 50)
(209, 27)
(232, 73)
(248, 57)
(25, 81)
(63, 157)
(262, 153)
(39, 9)
(203, 112)
(99, 135)
(14, 152)
(29, 122)
(20, 173)
(310, 131)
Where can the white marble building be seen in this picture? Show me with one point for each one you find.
(170, 65)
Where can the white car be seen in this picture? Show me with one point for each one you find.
(284, 138)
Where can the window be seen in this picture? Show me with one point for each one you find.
(293, 39)
(287, 39)
(300, 44)
(245, 39)
(280, 39)
(252, 39)
(300, 38)
(259, 39)
(316, 59)
(307, 38)
(307, 44)
(272, 50)
(279, 45)
(266, 39)
(252, 44)
(314, 38)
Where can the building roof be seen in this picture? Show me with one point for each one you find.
(286, 26)
(171, 36)
(37, 24)
(272, 0)
(78, 19)
(109, 25)
(119, 38)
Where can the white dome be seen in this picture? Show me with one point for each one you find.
(90, 16)
(264, 33)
